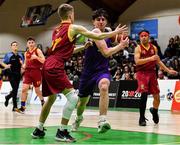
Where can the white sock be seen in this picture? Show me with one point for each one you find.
(102, 117)
(40, 126)
(63, 127)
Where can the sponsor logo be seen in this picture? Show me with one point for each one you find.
(177, 96)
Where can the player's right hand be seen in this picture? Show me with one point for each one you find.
(121, 30)
(124, 42)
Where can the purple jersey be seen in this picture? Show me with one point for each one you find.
(94, 60)
(95, 68)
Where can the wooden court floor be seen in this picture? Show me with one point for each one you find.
(121, 120)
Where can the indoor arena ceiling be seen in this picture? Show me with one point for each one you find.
(1, 2)
(114, 7)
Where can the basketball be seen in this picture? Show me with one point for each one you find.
(117, 38)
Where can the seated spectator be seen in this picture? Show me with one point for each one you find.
(161, 75)
(154, 42)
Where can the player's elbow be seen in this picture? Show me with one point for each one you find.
(107, 54)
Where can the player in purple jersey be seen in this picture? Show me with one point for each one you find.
(96, 71)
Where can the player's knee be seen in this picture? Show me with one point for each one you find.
(24, 90)
(72, 98)
(104, 87)
(82, 103)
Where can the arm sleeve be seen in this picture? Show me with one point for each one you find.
(7, 57)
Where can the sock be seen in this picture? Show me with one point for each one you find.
(102, 117)
(142, 106)
(155, 110)
(63, 127)
(40, 126)
(23, 103)
(79, 117)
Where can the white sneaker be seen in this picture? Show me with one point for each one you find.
(103, 126)
(76, 123)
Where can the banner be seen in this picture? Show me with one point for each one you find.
(150, 25)
(166, 94)
(176, 98)
(127, 96)
(113, 93)
(60, 100)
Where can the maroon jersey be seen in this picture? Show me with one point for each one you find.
(150, 66)
(54, 78)
(62, 48)
(32, 63)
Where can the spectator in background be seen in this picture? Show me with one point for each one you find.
(126, 70)
(177, 44)
(112, 65)
(127, 76)
(154, 42)
(161, 75)
(171, 49)
(15, 60)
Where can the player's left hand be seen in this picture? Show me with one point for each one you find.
(172, 72)
(87, 44)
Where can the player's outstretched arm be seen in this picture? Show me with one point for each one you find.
(105, 51)
(170, 71)
(85, 46)
(77, 29)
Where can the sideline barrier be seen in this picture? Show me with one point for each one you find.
(122, 94)
(176, 98)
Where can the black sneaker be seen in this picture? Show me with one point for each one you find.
(142, 121)
(64, 136)
(6, 101)
(37, 133)
(155, 115)
(21, 110)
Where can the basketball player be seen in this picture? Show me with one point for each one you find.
(96, 72)
(146, 59)
(34, 60)
(55, 79)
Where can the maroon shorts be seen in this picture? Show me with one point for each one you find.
(147, 82)
(32, 76)
(54, 81)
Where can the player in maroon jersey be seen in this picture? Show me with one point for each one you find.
(34, 60)
(55, 79)
(146, 59)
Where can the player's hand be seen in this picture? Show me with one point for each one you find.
(172, 72)
(124, 42)
(155, 58)
(88, 44)
(34, 56)
(7, 66)
(122, 30)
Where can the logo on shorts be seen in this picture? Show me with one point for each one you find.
(142, 86)
(38, 83)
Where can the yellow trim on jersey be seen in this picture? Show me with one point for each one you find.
(69, 36)
(147, 48)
